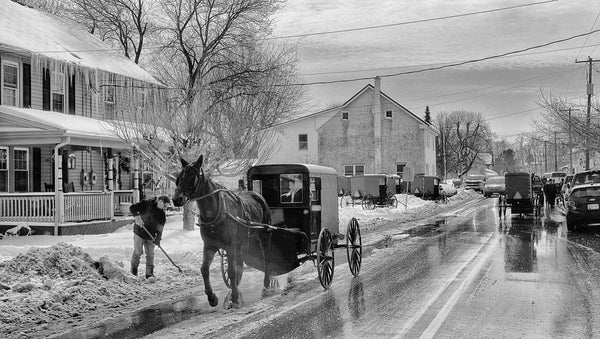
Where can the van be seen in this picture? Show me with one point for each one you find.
(475, 182)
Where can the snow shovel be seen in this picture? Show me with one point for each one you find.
(153, 240)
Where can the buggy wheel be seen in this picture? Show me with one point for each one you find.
(354, 246)
(368, 202)
(224, 267)
(346, 200)
(392, 201)
(325, 258)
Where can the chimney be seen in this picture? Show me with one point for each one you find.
(376, 109)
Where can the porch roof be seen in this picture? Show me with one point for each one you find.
(26, 126)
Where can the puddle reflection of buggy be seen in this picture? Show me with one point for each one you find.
(19, 230)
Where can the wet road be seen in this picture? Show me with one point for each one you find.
(471, 277)
(466, 276)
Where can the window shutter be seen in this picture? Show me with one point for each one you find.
(45, 89)
(72, 94)
(27, 86)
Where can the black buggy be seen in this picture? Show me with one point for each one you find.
(303, 200)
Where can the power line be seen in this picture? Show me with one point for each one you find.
(408, 22)
(435, 64)
(461, 63)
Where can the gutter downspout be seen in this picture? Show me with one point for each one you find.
(59, 198)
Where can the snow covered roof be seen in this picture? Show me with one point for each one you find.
(22, 126)
(28, 30)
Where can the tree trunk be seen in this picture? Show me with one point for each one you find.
(189, 216)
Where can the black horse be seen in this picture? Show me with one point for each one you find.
(227, 219)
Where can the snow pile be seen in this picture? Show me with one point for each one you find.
(62, 283)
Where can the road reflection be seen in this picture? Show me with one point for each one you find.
(356, 298)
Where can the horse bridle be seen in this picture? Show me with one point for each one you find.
(197, 176)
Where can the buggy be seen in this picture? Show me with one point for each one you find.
(306, 227)
(370, 191)
(426, 187)
(519, 196)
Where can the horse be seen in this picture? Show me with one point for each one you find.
(226, 218)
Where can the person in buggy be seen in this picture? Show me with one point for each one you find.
(148, 226)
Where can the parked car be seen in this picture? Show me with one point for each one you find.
(474, 182)
(583, 206)
(494, 186)
(585, 177)
(564, 190)
(448, 189)
(554, 175)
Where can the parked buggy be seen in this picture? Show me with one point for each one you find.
(426, 187)
(520, 196)
(370, 191)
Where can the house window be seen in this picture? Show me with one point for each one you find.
(344, 115)
(354, 170)
(141, 98)
(388, 113)
(21, 165)
(302, 141)
(3, 169)
(109, 89)
(58, 91)
(10, 83)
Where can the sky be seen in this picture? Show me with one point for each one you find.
(504, 90)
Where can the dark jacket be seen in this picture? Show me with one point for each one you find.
(153, 217)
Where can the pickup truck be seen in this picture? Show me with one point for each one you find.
(474, 182)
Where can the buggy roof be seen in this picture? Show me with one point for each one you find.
(290, 168)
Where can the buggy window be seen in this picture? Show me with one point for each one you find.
(290, 188)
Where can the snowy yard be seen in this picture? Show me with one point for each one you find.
(48, 284)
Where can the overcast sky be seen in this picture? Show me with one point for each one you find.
(503, 89)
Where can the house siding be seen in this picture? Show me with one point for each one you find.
(352, 142)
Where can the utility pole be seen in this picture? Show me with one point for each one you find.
(571, 171)
(590, 92)
(545, 157)
(555, 153)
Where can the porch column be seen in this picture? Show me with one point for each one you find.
(59, 197)
(136, 180)
(111, 183)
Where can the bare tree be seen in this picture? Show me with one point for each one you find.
(465, 136)
(122, 23)
(225, 86)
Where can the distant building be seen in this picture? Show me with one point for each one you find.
(369, 133)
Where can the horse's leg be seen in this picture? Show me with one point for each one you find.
(207, 258)
(235, 270)
(266, 252)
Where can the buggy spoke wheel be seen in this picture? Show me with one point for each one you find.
(353, 246)
(325, 258)
(224, 267)
(368, 202)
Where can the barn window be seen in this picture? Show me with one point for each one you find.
(354, 170)
(388, 113)
(10, 83)
(344, 115)
(302, 141)
(400, 169)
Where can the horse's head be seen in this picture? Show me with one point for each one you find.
(189, 182)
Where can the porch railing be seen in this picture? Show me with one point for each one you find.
(81, 206)
(32, 207)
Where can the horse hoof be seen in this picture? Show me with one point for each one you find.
(213, 300)
(267, 292)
